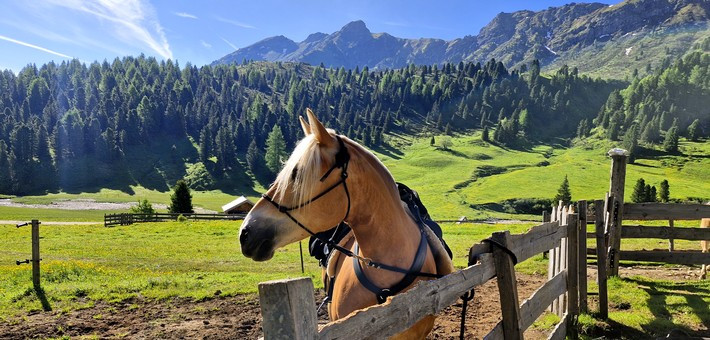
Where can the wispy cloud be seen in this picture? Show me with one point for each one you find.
(75, 36)
(134, 21)
(26, 44)
(230, 44)
(185, 15)
(205, 44)
(234, 22)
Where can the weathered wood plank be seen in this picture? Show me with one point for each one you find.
(287, 309)
(616, 190)
(572, 267)
(560, 330)
(403, 310)
(35, 254)
(507, 287)
(535, 305)
(665, 211)
(639, 231)
(601, 259)
(675, 257)
(582, 255)
(536, 240)
(671, 243)
(613, 227)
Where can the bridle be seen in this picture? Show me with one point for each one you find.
(342, 159)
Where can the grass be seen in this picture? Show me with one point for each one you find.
(26, 214)
(465, 179)
(199, 260)
(641, 308)
(83, 264)
(447, 181)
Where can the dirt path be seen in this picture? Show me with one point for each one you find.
(86, 204)
(13, 222)
(229, 317)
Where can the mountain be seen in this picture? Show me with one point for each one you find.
(608, 40)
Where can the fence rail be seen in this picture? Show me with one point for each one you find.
(283, 302)
(665, 211)
(130, 218)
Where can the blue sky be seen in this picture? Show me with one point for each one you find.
(202, 31)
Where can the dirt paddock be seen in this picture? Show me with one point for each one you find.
(228, 317)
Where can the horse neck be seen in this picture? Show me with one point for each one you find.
(381, 225)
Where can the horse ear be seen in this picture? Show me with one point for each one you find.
(304, 125)
(322, 135)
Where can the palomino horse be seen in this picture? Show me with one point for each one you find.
(329, 179)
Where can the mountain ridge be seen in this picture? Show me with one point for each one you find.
(575, 34)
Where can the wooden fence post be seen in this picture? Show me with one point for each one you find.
(601, 257)
(552, 262)
(582, 254)
(572, 274)
(671, 245)
(288, 309)
(616, 190)
(507, 287)
(35, 254)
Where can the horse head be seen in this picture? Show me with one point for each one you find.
(308, 196)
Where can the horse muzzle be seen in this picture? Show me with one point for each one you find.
(257, 240)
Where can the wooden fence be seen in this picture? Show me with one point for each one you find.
(130, 218)
(288, 305)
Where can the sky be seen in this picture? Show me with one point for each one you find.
(203, 31)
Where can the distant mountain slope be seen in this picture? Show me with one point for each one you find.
(598, 38)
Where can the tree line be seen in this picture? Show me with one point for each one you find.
(137, 120)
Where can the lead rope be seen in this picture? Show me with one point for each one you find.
(464, 303)
(471, 294)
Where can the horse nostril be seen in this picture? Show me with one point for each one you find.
(244, 235)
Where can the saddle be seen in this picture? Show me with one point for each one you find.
(322, 251)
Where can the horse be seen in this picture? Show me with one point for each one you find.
(309, 197)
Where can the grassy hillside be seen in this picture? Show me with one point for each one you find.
(472, 178)
(467, 178)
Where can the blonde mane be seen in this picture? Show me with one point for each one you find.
(306, 160)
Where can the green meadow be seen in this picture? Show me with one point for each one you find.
(83, 265)
(470, 178)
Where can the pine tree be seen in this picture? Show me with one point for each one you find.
(694, 130)
(664, 193)
(181, 199)
(563, 193)
(670, 144)
(432, 141)
(205, 144)
(485, 134)
(631, 142)
(275, 150)
(639, 194)
(647, 193)
(255, 159)
(653, 196)
(5, 179)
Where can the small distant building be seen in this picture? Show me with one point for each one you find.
(241, 205)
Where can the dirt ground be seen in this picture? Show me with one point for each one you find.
(230, 317)
(87, 204)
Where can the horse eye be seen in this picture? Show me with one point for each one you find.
(293, 174)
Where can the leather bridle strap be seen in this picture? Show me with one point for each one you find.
(410, 275)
